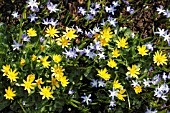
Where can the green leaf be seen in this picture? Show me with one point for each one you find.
(4, 104)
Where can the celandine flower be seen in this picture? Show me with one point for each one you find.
(28, 85)
(133, 72)
(106, 34)
(64, 81)
(115, 53)
(39, 82)
(117, 85)
(160, 58)
(31, 32)
(58, 71)
(44, 61)
(54, 82)
(138, 89)
(111, 63)
(63, 41)
(86, 98)
(70, 33)
(120, 94)
(104, 74)
(5, 69)
(57, 58)
(12, 75)
(33, 57)
(51, 31)
(46, 93)
(10, 94)
(122, 42)
(142, 50)
(22, 62)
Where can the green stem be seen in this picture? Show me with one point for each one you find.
(128, 99)
(22, 107)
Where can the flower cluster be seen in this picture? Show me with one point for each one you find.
(60, 58)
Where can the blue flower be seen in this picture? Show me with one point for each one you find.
(41, 39)
(149, 46)
(15, 14)
(160, 10)
(94, 83)
(86, 99)
(33, 4)
(32, 17)
(101, 83)
(51, 7)
(113, 93)
(71, 53)
(81, 10)
(45, 21)
(161, 32)
(25, 38)
(150, 111)
(156, 79)
(52, 22)
(16, 45)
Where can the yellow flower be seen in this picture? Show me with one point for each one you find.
(104, 74)
(28, 85)
(111, 63)
(116, 84)
(134, 71)
(96, 36)
(57, 71)
(31, 77)
(12, 75)
(159, 58)
(103, 42)
(115, 53)
(51, 31)
(44, 61)
(142, 50)
(120, 94)
(9, 93)
(53, 82)
(31, 32)
(5, 69)
(39, 82)
(64, 81)
(46, 93)
(22, 62)
(42, 48)
(33, 57)
(122, 43)
(106, 34)
(70, 33)
(57, 58)
(63, 41)
(138, 89)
